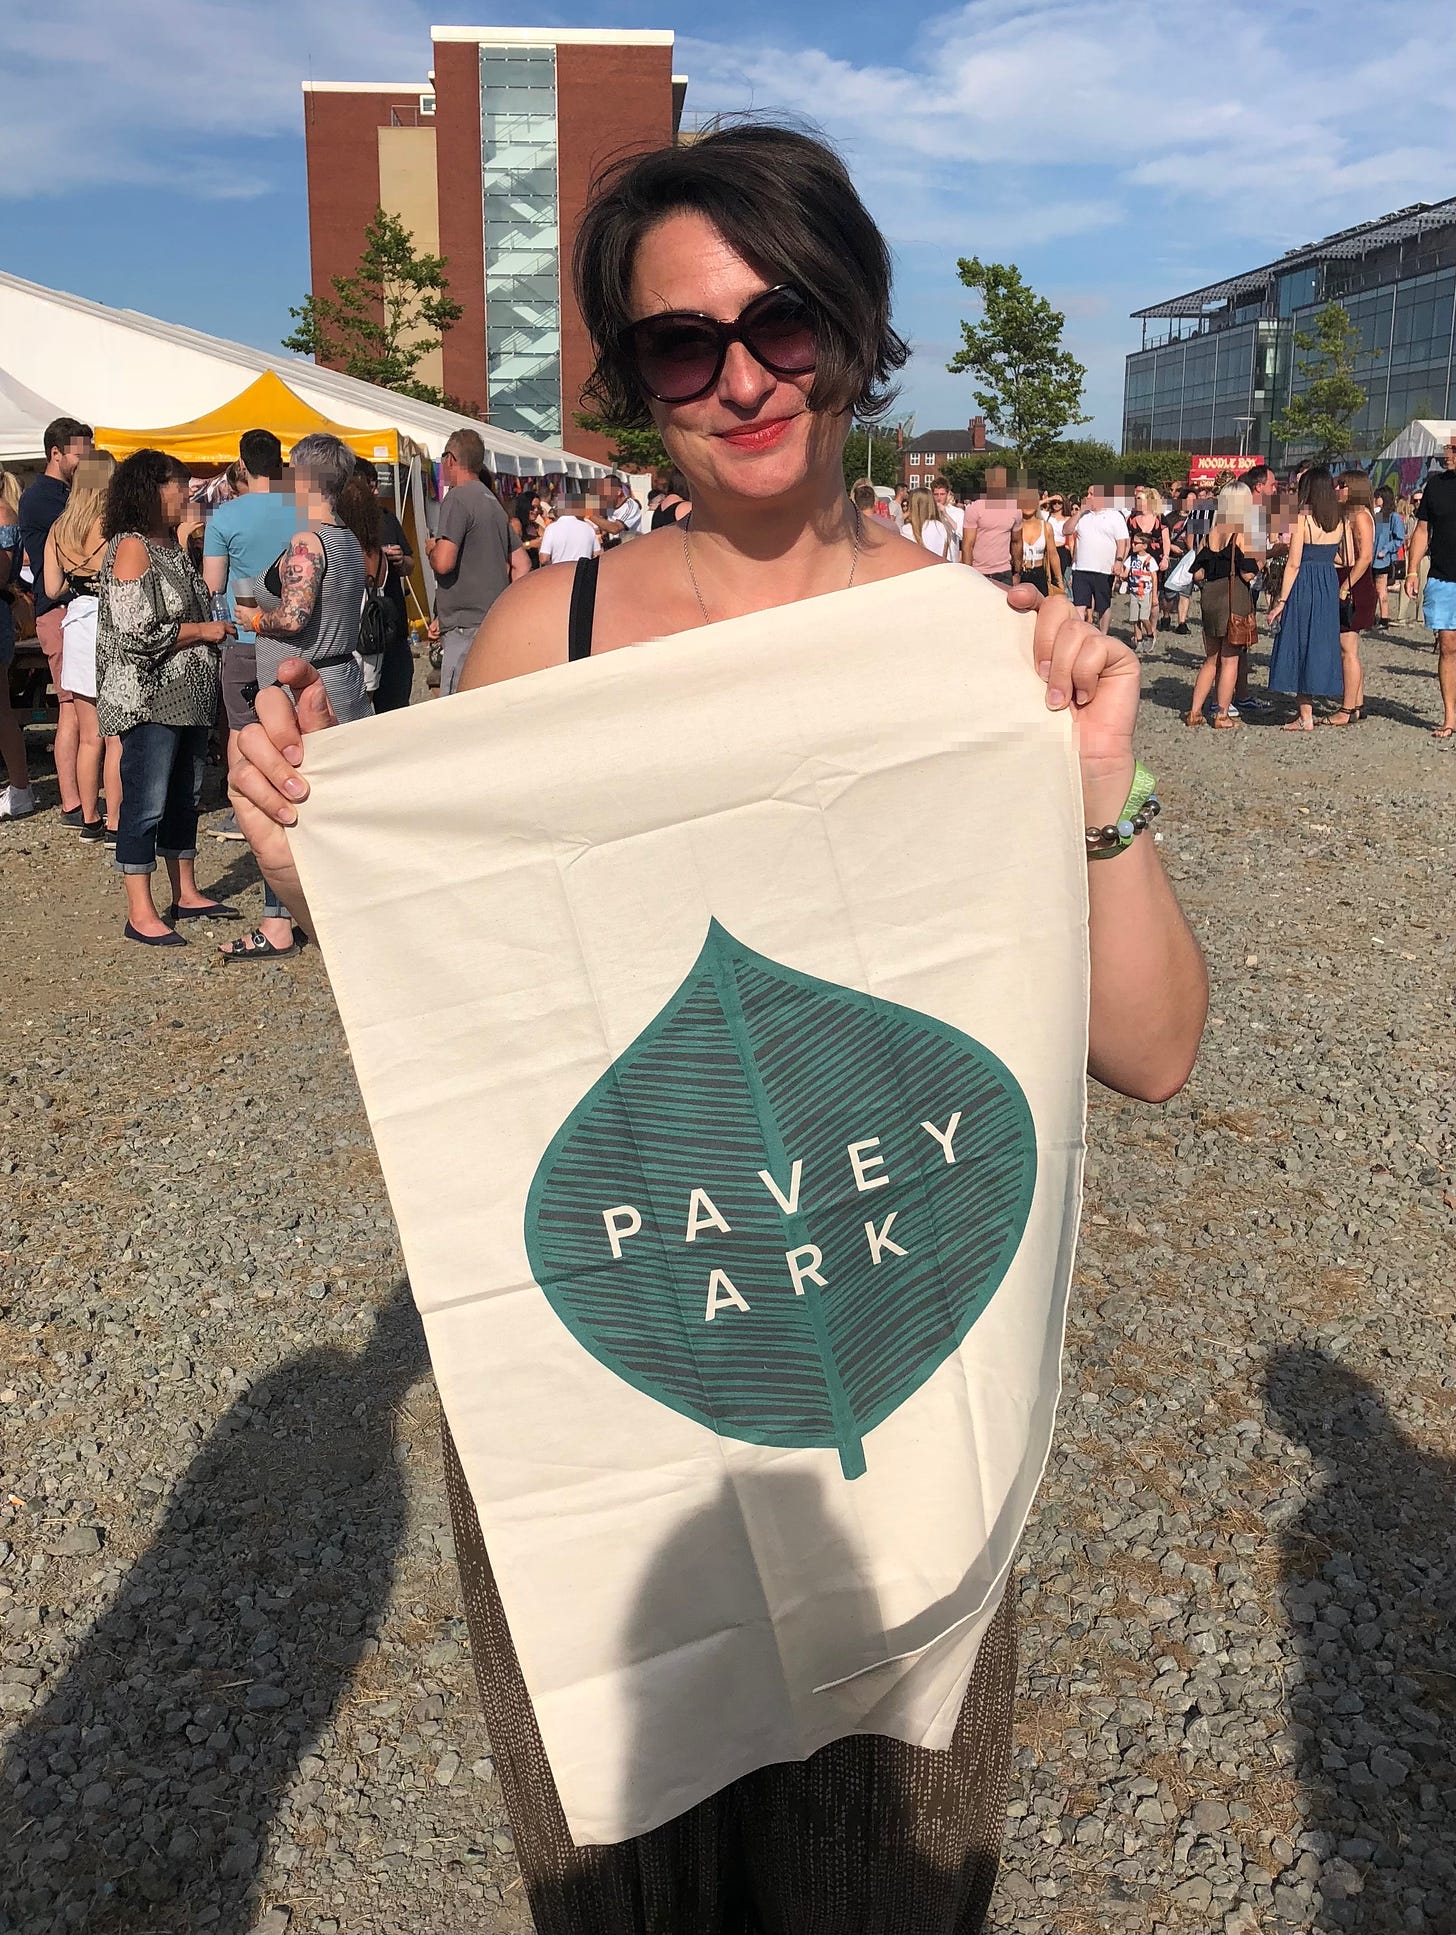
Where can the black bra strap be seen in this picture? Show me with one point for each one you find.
(583, 609)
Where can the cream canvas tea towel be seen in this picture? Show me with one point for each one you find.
(720, 1009)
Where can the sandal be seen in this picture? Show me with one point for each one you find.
(1348, 715)
(1224, 722)
(257, 947)
(212, 910)
(1298, 725)
(1443, 732)
(1194, 719)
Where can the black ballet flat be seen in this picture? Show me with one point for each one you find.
(214, 910)
(153, 940)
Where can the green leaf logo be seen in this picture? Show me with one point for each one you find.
(785, 1204)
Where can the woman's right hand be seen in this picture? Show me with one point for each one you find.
(264, 783)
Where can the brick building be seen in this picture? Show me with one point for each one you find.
(487, 160)
(922, 458)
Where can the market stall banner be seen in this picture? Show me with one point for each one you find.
(720, 1009)
(1208, 469)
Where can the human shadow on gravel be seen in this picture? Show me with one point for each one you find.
(137, 1799)
(869, 1834)
(1368, 1574)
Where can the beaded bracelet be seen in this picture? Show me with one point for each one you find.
(1140, 809)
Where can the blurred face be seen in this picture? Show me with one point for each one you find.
(753, 436)
(174, 502)
(1028, 502)
(996, 481)
(74, 451)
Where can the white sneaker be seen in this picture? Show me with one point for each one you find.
(17, 803)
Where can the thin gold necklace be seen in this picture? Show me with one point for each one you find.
(693, 576)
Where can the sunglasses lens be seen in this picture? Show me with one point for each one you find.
(677, 358)
(779, 329)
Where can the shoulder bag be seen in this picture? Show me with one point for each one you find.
(1243, 626)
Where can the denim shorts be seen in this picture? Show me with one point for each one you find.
(1438, 602)
(1091, 589)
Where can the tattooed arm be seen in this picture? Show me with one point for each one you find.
(301, 576)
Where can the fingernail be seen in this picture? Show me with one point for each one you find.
(294, 755)
(295, 789)
(1045, 668)
(1055, 699)
(287, 816)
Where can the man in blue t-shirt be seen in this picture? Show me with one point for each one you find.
(243, 538)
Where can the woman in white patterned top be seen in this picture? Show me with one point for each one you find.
(157, 648)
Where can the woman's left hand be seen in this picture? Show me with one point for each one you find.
(1093, 673)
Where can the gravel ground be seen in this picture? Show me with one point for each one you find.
(235, 1688)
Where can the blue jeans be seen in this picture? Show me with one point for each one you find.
(161, 785)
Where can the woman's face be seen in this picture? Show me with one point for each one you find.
(754, 434)
(174, 502)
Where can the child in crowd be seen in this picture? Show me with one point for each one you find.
(1141, 577)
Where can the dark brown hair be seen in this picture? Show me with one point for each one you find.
(134, 495)
(786, 203)
(1317, 496)
(358, 509)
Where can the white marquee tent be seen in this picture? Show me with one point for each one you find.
(116, 366)
(1426, 437)
(23, 418)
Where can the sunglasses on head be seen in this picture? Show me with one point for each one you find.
(679, 355)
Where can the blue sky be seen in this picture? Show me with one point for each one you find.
(1116, 151)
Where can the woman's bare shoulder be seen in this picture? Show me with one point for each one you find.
(884, 553)
(524, 630)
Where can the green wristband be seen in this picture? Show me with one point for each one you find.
(1139, 809)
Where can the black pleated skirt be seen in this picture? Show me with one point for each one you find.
(867, 1837)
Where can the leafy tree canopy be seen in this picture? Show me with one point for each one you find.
(1319, 420)
(1033, 384)
(383, 320)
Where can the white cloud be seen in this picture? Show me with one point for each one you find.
(1119, 150)
(170, 97)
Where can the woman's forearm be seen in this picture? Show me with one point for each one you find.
(1149, 989)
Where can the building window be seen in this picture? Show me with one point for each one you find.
(522, 239)
(915, 480)
(427, 104)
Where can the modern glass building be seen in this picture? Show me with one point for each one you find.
(522, 239)
(1218, 365)
(488, 159)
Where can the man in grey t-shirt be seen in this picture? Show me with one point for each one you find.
(474, 555)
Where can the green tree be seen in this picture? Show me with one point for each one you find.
(384, 319)
(1033, 384)
(1320, 419)
(632, 447)
(864, 447)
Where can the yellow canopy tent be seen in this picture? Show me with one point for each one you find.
(269, 404)
(266, 404)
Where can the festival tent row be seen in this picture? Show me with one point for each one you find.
(118, 367)
(268, 403)
(23, 418)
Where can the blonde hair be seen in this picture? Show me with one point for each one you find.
(9, 496)
(923, 510)
(1235, 506)
(78, 528)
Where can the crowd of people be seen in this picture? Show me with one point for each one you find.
(1328, 554)
(163, 603)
